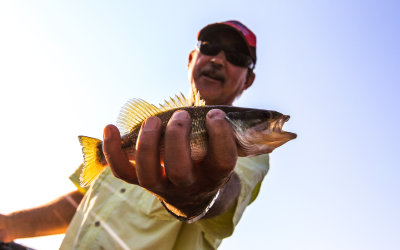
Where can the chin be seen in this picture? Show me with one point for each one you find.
(209, 98)
(209, 93)
(211, 101)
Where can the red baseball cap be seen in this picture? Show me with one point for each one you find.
(248, 36)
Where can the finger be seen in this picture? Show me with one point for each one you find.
(222, 155)
(178, 163)
(116, 158)
(148, 168)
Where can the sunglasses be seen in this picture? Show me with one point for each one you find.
(233, 56)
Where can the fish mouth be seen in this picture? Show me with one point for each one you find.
(257, 135)
(276, 126)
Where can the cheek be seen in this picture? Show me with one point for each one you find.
(197, 65)
(193, 74)
(242, 75)
(237, 79)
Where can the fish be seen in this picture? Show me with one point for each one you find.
(256, 131)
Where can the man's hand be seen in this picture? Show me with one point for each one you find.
(186, 185)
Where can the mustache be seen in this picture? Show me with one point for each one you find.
(213, 72)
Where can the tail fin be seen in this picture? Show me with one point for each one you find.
(92, 164)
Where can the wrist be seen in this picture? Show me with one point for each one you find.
(192, 213)
(7, 228)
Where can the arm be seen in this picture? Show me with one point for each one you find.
(51, 218)
(182, 184)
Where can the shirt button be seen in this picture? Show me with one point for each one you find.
(122, 190)
(97, 223)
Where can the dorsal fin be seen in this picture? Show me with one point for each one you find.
(135, 111)
(197, 101)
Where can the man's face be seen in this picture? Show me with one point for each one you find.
(219, 81)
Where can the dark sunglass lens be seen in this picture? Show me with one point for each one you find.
(209, 49)
(233, 56)
(238, 59)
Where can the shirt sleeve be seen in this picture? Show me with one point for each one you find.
(75, 179)
(251, 172)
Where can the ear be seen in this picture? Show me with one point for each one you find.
(191, 55)
(249, 79)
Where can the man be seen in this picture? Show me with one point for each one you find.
(173, 203)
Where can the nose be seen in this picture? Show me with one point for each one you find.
(219, 59)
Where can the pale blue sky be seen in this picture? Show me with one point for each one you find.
(67, 67)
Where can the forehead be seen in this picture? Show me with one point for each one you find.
(227, 37)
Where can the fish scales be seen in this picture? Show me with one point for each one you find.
(256, 131)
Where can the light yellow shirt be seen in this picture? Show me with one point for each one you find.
(117, 215)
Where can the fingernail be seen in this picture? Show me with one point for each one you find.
(216, 114)
(106, 132)
(151, 123)
(180, 115)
